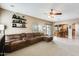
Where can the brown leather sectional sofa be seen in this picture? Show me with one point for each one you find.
(17, 41)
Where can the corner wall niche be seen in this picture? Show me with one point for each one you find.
(18, 21)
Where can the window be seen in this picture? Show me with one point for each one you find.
(35, 27)
(46, 29)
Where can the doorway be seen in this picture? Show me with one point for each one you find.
(73, 31)
(61, 30)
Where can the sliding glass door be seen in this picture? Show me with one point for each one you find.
(49, 30)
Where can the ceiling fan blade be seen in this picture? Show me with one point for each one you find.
(57, 14)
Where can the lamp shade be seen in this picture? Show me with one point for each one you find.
(2, 27)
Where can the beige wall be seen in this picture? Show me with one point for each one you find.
(0, 13)
(6, 19)
(69, 21)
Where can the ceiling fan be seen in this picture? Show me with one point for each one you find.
(53, 12)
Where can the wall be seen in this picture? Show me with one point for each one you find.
(6, 19)
(0, 13)
(77, 30)
(69, 21)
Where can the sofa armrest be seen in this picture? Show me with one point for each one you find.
(47, 38)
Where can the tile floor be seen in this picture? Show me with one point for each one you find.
(58, 47)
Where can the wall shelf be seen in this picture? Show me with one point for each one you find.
(18, 22)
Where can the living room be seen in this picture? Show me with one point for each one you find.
(14, 27)
(28, 27)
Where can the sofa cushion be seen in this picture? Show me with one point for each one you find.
(23, 35)
(17, 42)
(37, 34)
(14, 37)
(29, 35)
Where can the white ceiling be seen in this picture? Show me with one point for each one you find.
(41, 10)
